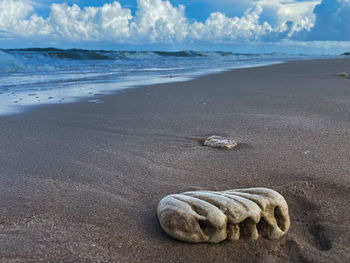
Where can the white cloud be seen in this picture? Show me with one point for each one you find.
(109, 22)
(11, 12)
(158, 21)
(220, 27)
(275, 12)
(300, 14)
(332, 21)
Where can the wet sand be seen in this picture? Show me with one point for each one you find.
(81, 182)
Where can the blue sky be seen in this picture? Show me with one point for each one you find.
(294, 26)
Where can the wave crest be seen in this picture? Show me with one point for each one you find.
(81, 54)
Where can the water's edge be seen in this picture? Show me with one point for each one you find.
(33, 77)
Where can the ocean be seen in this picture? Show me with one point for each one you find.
(31, 77)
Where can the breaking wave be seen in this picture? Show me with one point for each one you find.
(7, 59)
(81, 54)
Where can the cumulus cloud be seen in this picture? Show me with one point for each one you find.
(17, 18)
(109, 22)
(155, 21)
(280, 14)
(332, 21)
(219, 26)
(159, 21)
(293, 16)
(11, 12)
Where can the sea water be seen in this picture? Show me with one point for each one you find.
(30, 77)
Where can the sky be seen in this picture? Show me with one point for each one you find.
(292, 26)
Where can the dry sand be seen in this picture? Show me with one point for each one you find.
(81, 182)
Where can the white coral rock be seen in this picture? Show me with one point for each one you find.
(220, 142)
(207, 216)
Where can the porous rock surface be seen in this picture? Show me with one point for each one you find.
(220, 142)
(208, 216)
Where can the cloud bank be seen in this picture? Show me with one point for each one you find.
(332, 21)
(158, 21)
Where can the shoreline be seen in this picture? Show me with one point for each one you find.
(24, 100)
(80, 182)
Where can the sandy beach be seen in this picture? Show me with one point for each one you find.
(81, 182)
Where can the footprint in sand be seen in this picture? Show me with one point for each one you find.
(321, 238)
(310, 216)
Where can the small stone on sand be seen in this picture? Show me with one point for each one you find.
(342, 74)
(220, 142)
